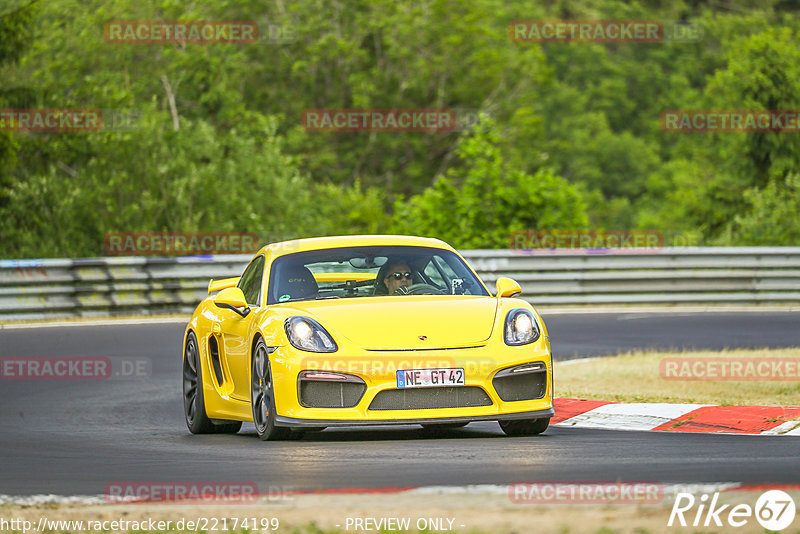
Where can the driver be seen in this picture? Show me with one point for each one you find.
(393, 276)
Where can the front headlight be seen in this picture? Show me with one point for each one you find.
(307, 334)
(521, 327)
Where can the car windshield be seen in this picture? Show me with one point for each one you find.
(370, 271)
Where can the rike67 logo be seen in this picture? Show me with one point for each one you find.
(774, 510)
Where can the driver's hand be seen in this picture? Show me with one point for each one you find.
(402, 290)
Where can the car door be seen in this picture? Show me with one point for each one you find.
(235, 330)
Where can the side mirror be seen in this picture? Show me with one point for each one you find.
(224, 283)
(506, 287)
(232, 298)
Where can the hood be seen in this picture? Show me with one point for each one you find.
(393, 323)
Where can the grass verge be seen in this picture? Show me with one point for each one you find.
(637, 377)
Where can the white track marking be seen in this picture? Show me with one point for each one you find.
(630, 416)
(789, 428)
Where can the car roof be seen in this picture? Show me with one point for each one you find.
(317, 243)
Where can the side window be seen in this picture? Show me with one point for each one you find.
(434, 275)
(445, 267)
(250, 284)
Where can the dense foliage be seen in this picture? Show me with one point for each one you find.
(568, 137)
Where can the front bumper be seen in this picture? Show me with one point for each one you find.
(377, 369)
(311, 423)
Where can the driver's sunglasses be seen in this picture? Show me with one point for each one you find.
(399, 276)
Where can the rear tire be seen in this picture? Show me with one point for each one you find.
(525, 427)
(194, 407)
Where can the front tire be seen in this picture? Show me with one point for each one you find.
(525, 427)
(262, 397)
(194, 407)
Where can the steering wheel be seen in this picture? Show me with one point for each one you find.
(418, 289)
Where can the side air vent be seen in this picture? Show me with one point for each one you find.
(213, 351)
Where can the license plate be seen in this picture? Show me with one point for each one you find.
(419, 378)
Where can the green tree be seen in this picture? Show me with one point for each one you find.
(220, 130)
(15, 33)
(481, 202)
(155, 178)
(773, 217)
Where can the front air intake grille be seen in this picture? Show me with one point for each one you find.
(430, 398)
(526, 385)
(330, 394)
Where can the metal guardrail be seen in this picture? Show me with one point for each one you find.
(53, 288)
(672, 276)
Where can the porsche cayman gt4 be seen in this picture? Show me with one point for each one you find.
(364, 330)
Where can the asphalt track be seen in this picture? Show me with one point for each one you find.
(75, 437)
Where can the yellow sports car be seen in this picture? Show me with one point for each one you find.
(364, 330)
